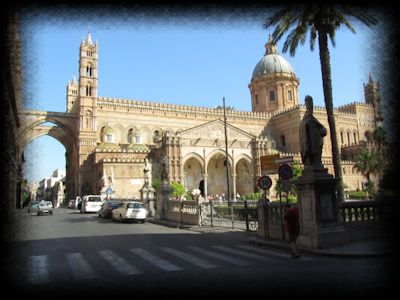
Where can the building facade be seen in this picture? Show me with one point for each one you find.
(116, 137)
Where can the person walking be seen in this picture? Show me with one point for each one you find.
(291, 218)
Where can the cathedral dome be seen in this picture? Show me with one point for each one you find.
(272, 62)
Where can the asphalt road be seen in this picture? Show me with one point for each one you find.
(70, 254)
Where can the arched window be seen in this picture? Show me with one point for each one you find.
(341, 137)
(289, 96)
(156, 136)
(88, 119)
(256, 98)
(138, 137)
(355, 137)
(348, 138)
(272, 96)
(130, 136)
(108, 134)
(89, 70)
(88, 90)
(283, 141)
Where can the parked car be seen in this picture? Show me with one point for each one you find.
(33, 206)
(45, 207)
(91, 203)
(130, 210)
(107, 208)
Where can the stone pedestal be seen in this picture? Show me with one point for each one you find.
(164, 193)
(319, 227)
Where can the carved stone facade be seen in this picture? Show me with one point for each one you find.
(187, 143)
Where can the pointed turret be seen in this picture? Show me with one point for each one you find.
(89, 40)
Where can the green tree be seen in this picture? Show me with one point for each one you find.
(319, 20)
(178, 190)
(368, 163)
(155, 184)
(379, 136)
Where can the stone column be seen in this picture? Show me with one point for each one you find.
(205, 186)
(319, 226)
(164, 194)
(234, 186)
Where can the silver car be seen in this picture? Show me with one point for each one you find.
(45, 207)
(130, 210)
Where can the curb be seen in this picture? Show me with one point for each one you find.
(321, 252)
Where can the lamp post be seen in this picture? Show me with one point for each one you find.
(227, 165)
(226, 156)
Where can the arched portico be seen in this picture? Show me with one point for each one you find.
(193, 171)
(35, 124)
(216, 173)
(244, 175)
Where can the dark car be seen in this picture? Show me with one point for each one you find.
(33, 207)
(107, 208)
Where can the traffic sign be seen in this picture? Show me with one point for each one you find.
(285, 172)
(264, 182)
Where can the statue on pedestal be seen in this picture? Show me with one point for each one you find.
(311, 135)
(147, 172)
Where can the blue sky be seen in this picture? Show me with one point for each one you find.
(181, 60)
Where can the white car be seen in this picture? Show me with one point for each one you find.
(45, 207)
(91, 203)
(130, 210)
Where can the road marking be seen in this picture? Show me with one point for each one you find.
(243, 253)
(229, 259)
(39, 269)
(190, 258)
(79, 266)
(265, 251)
(155, 260)
(118, 263)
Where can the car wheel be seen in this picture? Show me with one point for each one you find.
(120, 218)
(143, 221)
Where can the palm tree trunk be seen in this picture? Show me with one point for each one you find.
(324, 57)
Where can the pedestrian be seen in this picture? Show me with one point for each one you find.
(292, 227)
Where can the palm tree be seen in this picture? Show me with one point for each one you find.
(320, 20)
(367, 163)
(380, 138)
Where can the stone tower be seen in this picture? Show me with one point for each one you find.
(72, 94)
(372, 96)
(274, 85)
(87, 102)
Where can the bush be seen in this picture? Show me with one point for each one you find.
(357, 194)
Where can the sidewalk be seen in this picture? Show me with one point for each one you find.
(367, 248)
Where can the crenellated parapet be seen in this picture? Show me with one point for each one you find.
(150, 107)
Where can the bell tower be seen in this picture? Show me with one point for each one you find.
(87, 128)
(372, 96)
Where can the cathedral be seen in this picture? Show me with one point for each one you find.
(125, 142)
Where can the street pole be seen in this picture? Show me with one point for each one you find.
(227, 163)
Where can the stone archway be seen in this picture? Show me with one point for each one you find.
(193, 172)
(216, 171)
(60, 126)
(244, 177)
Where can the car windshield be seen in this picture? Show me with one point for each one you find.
(47, 203)
(135, 205)
(35, 204)
(94, 199)
(113, 204)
